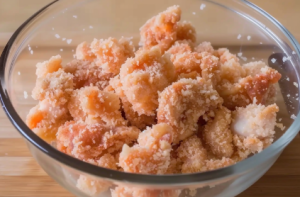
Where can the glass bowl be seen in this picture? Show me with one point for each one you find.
(60, 26)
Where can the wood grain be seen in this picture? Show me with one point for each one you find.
(21, 176)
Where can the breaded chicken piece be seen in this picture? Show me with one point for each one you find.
(182, 103)
(87, 73)
(152, 154)
(92, 105)
(143, 160)
(45, 119)
(175, 162)
(94, 187)
(217, 134)
(204, 47)
(254, 128)
(240, 86)
(161, 30)
(214, 164)
(179, 47)
(121, 191)
(84, 52)
(134, 119)
(91, 141)
(155, 137)
(111, 53)
(144, 76)
(193, 155)
(186, 31)
(50, 66)
(56, 87)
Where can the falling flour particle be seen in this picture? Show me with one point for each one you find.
(61, 49)
(57, 36)
(240, 54)
(239, 36)
(74, 56)
(31, 52)
(248, 37)
(288, 95)
(287, 79)
(194, 13)
(293, 117)
(52, 28)
(75, 16)
(83, 29)
(253, 58)
(202, 6)
(244, 58)
(19, 73)
(260, 43)
(296, 84)
(72, 50)
(64, 39)
(293, 52)
(279, 119)
(273, 60)
(29, 48)
(91, 27)
(25, 95)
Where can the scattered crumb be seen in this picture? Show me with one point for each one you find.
(31, 52)
(61, 49)
(240, 54)
(25, 95)
(280, 126)
(287, 78)
(74, 16)
(57, 36)
(202, 6)
(296, 84)
(91, 27)
(260, 43)
(284, 59)
(239, 36)
(273, 60)
(248, 37)
(19, 73)
(288, 95)
(63, 39)
(194, 13)
(293, 117)
(279, 119)
(69, 41)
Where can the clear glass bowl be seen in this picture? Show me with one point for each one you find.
(235, 24)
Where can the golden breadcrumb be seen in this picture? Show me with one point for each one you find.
(143, 76)
(161, 30)
(204, 47)
(121, 191)
(217, 134)
(182, 103)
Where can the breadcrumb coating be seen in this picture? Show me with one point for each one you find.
(90, 141)
(182, 103)
(121, 191)
(186, 31)
(161, 30)
(50, 66)
(56, 87)
(217, 134)
(87, 73)
(193, 155)
(204, 47)
(45, 119)
(91, 104)
(143, 76)
(112, 53)
(84, 52)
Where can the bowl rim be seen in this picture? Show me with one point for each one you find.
(171, 180)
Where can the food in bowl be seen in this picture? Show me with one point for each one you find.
(171, 106)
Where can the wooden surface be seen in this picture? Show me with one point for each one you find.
(20, 175)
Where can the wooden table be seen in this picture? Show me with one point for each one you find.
(20, 175)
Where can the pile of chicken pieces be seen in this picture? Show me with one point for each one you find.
(171, 106)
